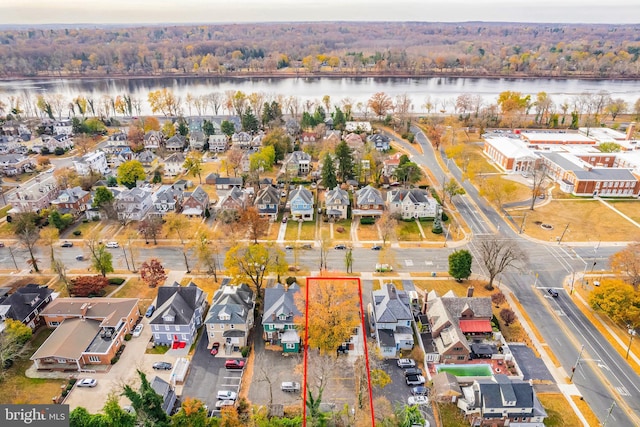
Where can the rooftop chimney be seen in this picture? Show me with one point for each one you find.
(83, 309)
(630, 131)
(470, 292)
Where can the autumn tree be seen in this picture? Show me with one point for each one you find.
(234, 160)
(193, 165)
(206, 245)
(27, 234)
(248, 263)
(147, 403)
(460, 264)
(150, 228)
(13, 342)
(498, 299)
(498, 255)
(508, 316)
(255, 225)
(101, 258)
(498, 190)
(539, 181)
(85, 286)
(387, 224)
(380, 103)
(452, 188)
(618, 300)
(626, 263)
(180, 225)
(152, 273)
(130, 172)
(280, 141)
(104, 200)
(192, 413)
(164, 101)
(332, 311)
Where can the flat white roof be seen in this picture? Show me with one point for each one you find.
(603, 134)
(568, 138)
(510, 147)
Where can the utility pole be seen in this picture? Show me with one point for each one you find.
(609, 413)
(13, 258)
(575, 366)
(632, 333)
(562, 235)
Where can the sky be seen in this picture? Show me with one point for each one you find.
(25, 12)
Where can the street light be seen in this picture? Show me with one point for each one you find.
(632, 333)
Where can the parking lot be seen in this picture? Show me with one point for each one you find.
(208, 375)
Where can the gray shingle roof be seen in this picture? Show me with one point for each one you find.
(267, 196)
(337, 197)
(230, 305)
(368, 196)
(302, 193)
(499, 390)
(179, 301)
(280, 300)
(24, 300)
(391, 305)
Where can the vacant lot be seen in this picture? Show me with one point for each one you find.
(559, 413)
(368, 232)
(631, 208)
(588, 220)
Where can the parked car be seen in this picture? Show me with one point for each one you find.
(138, 330)
(340, 247)
(418, 400)
(288, 247)
(290, 386)
(415, 380)
(406, 363)
(223, 403)
(382, 268)
(1, 245)
(112, 245)
(87, 382)
(66, 244)
(162, 366)
(412, 371)
(150, 310)
(376, 248)
(79, 258)
(234, 364)
(307, 246)
(214, 348)
(284, 219)
(227, 395)
(420, 391)
(553, 292)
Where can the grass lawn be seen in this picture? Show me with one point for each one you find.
(429, 236)
(135, 288)
(274, 229)
(451, 416)
(292, 231)
(559, 413)
(210, 190)
(308, 231)
(631, 208)
(442, 286)
(20, 389)
(3, 211)
(159, 349)
(346, 233)
(6, 230)
(588, 220)
(409, 231)
(368, 232)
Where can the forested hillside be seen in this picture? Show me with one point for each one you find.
(341, 48)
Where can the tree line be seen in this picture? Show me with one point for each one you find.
(358, 48)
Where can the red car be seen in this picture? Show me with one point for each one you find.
(215, 348)
(234, 364)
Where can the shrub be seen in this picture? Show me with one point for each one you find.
(290, 280)
(127, 337)
(367, 220)
(72, 381)
(508, 316)
(115, 360)
(64, 393)
(116, 281)
(59, 151)
(69, 387)
(77, 233)
(245, 351)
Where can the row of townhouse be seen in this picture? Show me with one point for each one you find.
(136, 203)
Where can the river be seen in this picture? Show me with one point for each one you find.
(441, 91)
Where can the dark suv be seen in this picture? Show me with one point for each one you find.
(412, 371)
(553, 292)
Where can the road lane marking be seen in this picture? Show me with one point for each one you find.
(408, 262)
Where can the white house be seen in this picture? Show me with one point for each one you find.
(174, 165)
(134, 204)
(96, 162)
(392, 318)
(413, 203)
(336, 203)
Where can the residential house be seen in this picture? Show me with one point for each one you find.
(297, 163)
(119, 157)
(15, 164)
(280, 312)
(183, 184)
(245, 162)
(74, 200)
(446, 387)
(412, 203)
(380, 142)
(89, 331)
(95, 161)
(452, 319)
(241, 139)
(34, 195)
(353, 140)
(501, 401)
(230, 317)
(166, 199)
(301, 204)
(308, 137)
(332, 138)
(48, 144)
(148, 160)
(218, 143)
(393, 319)
(390, 164)
(223, 182)
(360, 127)
(133, 204)
(167, 392)
(175, 143)
(195, 203)
(235, 199)
(369, 202)
(197, 140)
(63, 127)
(116, 142)
(179, 314)
(174, 165)
(153, 139)
(267, 201)
(25, 305)
(336, 203)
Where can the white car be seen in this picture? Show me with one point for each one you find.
(227, 395)
(223, 403)
(87, 382)
(112, 245)
(418, 400)
(138, 330)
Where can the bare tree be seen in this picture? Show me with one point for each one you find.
(540, 180)
(499, 255)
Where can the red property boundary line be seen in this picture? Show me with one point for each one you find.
(306, 347)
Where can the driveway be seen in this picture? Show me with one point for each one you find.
(207, 375)
(532, 367)
(122, 373)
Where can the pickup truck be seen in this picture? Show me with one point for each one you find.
(290, 386)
